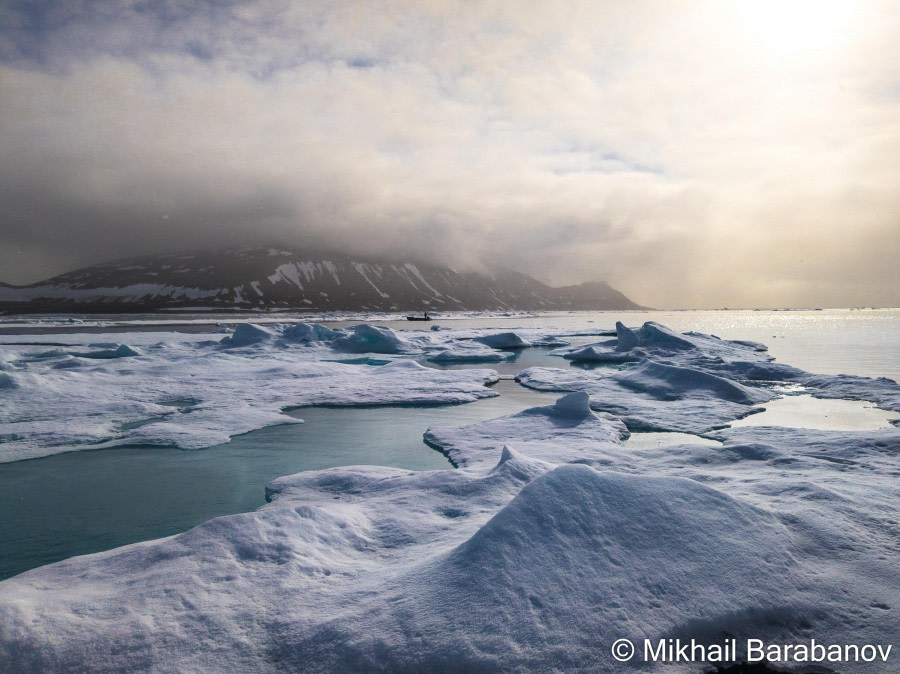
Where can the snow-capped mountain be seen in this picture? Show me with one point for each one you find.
(275, 278)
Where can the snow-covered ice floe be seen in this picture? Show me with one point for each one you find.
(467, 353)
(94, 395)
(691, 383)
(551, 540)
(565, 432)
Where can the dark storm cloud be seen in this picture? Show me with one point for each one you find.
(91, 232)
(688, 154)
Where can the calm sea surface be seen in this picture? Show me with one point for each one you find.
(830, 341)
(82, 502)
(834, 341)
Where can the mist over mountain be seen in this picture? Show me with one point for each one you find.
(761, 173)
(279, 278)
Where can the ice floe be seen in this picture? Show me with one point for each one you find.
(566, 431)
(373, 339)
(309, 332)
(58, 403)
(503, 340)
(247, 334)
(658, 380)
(467, 352)
(652, 396)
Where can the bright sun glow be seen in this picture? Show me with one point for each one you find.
(798, 27)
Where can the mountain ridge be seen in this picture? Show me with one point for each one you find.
(279, 278)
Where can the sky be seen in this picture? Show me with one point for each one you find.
(693, 154)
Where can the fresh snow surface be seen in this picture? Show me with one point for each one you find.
(553, 538)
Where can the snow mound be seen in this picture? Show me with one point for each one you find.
(467, 353)
(567, 431)
(753, 371)
(667, 382)
(309, 332)
(503, 340)
(655, 397)
(48, 355)
(247, 334)
(574, 561)
(625, 532)
(118, 351)
(506, 455)
(753, 451)
(626, 338)
(67, 363)
(594, 354)
(656, 342)
(400, 366)
(370, 339)
(690, 383)
(575, 405)
(744, 363)
(654, 334)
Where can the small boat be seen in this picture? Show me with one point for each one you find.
(423, 317)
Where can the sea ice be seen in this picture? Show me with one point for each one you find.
(658, 343)
(503, 340)
(566, 431)
(117, 351)
(626, 338)
(372, 339)
(551, 540)
(512, 565)
(309, 332)
(653, 396)
(691, 383)
(247, 334)
(467, 352)
(56, 403)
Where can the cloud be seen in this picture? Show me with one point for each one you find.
(663, 148)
